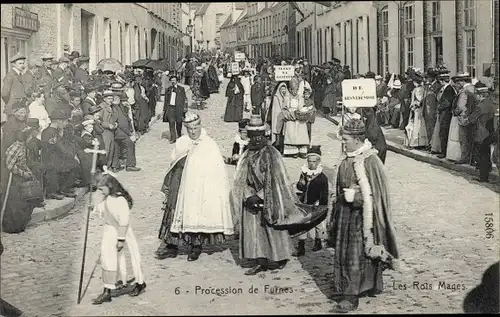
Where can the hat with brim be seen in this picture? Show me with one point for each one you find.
(116, 86)
(108, 93)
(54, 62)
(191, 118)
(370, 75)
(94, 109)
(256, 124)
(47, 57)
(396, 84)
(83, 59)
(17, 57)
(462, 77)
(378, 77)
(75, 54)
(444, 76)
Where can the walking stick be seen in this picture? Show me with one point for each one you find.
(95, 151)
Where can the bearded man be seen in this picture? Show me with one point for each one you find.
(196, 206)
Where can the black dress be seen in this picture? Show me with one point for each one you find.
(234, 105)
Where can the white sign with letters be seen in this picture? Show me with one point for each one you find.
(359, 93)
(239, 57)
(235, 68)
(284, 73)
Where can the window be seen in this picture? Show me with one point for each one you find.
(218, 20)
(138, 43)
(385, 22)
(146, 43)
(470, 52)
(385, 52)
(470, 13)
(107, 38)
(298, 44)
(332, 44)
(409, 51)
(127, 44)
(438, 50)
(409, 19)
(436, 16)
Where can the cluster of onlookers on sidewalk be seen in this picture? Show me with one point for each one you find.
(452, 117)
(57, 111)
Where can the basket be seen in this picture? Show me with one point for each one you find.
(308, 116)
(30, 190)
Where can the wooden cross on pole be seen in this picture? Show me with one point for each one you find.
(95, 151)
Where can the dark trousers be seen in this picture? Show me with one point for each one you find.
(405, 112)
(187, 80)
(484, 159)
(466, 143)
(108, 137)
(174, 123)
(60, 181)
(123, 142)
(444, 130)
(85, 166)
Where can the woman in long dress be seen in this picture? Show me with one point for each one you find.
(416, 132)
(281, 101)
(454, 151)
(234, 105)
(296, 137)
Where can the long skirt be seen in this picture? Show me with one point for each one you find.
(454, 151)
(135, 258)
(259, 241)
(353, 272)
(416, 132)
(17, 211)
(109, 256)
(435, 140)
(296, 137)
(234, 110)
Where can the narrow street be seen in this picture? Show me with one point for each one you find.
(438, 214)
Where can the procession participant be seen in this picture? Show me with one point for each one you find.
(264, 205)
(481, 120)
(213, 79)
(313, 185)
(464, 104)
(199, 87)
(60, 74)
(329, 102)
(445, 98)
(374, 133)
(311, 112)
(296, 138)
(240, 144)
(192, 214)
(281, 101)
(257, 97)
(115, 210)
(15, 83)
(124, 134)
(109, 123)
(81, 73)
(365, 241)
(18, 211)
(246, 82)
(416, 133)
(174, 108)
(234, 104)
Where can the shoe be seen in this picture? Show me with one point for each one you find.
(481, 180)
(138, 289)
(104, 297)
(282, 264)
(301, 249)
(55, 196)
(317, 245)
(169, 253)
(345, 306)
(133, 169)
(120, 289)
(441, 156)
(256, 269)
(172, 141)
(195, 254)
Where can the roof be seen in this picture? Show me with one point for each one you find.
(227, 23)
(201, 10)
(240, 5)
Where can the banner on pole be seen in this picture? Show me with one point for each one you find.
(359, 93)
(239, 57)
(235, 68)
(284, 73)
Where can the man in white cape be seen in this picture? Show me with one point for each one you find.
(196, 206)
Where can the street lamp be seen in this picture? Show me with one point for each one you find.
(189, 30)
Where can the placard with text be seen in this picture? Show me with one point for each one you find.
(284, 72)
(359, 93)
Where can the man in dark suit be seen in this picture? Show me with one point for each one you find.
(81, 73)
(16, 83)
(175, 107)
(60, 75)
(445, 98)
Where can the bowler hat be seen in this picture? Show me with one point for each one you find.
(116, 86)
(17, 57)
(47, 56)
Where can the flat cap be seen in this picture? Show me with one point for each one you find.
(84, 59)
(64, 60)
(462, 76)
(17, 57)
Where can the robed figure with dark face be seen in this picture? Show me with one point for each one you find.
(265, 209)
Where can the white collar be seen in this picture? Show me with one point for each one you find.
(366, 146)
(314, 172)
(17, 71)
(240, 141)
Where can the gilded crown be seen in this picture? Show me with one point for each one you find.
(354, 127)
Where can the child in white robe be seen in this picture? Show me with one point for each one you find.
(115, 207)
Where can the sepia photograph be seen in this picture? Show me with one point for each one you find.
(249, 158)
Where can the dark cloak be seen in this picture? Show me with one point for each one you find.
(213, 80)
(282, 209)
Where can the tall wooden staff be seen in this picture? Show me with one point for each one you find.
(95, 151)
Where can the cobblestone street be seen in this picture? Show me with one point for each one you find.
(438, 214)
